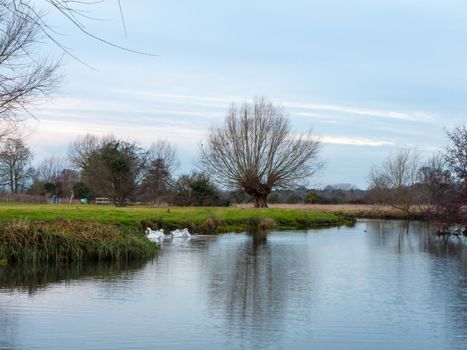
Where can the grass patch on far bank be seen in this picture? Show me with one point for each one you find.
(197, 219)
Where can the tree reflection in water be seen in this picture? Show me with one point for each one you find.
(413, 236)
(253, 283)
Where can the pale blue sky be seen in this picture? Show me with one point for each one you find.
(368, 76)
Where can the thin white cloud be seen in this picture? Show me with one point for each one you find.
(413, 116)
(351, 141)
(171, 116)
(53, 132)
(221, 102)
(154, 103)
(76, 106)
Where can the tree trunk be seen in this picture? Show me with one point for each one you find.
(259, 192)
(261, 200)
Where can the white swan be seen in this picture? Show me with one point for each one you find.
(155, 235)
(180, 233)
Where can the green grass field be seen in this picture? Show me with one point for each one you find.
(198, 219)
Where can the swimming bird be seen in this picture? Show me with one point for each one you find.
(180, 233)
(155, 235)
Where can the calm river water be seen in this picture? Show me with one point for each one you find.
(372, 286)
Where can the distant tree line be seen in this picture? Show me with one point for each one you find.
(124, 171)
(330, 194)
(106, 167)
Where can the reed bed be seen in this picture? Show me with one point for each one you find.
(64, 241)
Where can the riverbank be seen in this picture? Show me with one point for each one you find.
(206, 220)
(63, 233)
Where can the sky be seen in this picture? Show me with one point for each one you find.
(368, 77)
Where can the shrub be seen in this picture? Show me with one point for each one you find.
(196, 189)
(273, 198)
(313, 198)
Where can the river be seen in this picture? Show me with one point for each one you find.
(377, 285)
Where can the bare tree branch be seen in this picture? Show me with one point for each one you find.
(24, 75)
(74, 12)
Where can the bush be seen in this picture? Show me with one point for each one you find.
(80, 190)
(273, 198)
(239, 196)
(311, 198)
(198, 190)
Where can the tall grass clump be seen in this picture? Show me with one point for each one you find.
(260, 224)
(64, 241)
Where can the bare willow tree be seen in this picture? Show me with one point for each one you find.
(393, 183)
(255, 150)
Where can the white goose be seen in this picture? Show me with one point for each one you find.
(180, 233)
(155, 235)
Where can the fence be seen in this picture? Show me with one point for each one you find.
(102, 201)
(23, 198)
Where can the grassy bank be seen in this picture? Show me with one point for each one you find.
(361, 211)
(76, 233)
(197, 219)
(64, 241)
